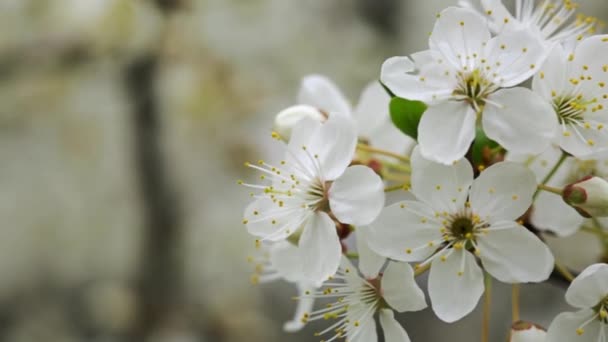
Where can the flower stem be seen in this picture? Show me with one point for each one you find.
(352, 255)
(422, 269)
(563, 270)
(487, 306)
(370, 149)
(396, 188)
(551, 173)
(547, 188)
(515, 289)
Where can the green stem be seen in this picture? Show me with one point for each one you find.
(487, 307)
(370, 149)
(551, 189)
(551, 173)
(395, 188)
(563, 270)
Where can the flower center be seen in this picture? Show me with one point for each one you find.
(320, 189)
(474, 88)
(571, 109)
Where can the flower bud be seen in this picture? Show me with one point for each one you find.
(589, 196)
(287, 118)
(527, 332)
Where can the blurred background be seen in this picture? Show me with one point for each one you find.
(124, 125)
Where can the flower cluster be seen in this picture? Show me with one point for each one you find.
(491, 138)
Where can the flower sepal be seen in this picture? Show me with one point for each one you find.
(589, 196)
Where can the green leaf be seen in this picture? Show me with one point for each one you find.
(406, 115)
(480, 146)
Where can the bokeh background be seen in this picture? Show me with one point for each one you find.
(124, 125)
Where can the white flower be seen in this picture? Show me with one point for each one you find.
(527, 332)
(456, 219)
(462, 77)
(576, 86)
(319, 96)
(358, 300)
(550, 212)
(275, 262)
(311, 189)
(589, 293)
(550, 20)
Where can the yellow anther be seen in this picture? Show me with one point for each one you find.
(590, 142)
(438, 187)
(580, 331)
(460, 273)
(245, 221)
(515, 197)
(255, 279)
(408, 251)
(468, 236)
(462, 23)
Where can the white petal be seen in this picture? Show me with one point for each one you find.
(498, 15)
(260, 215)
(393, 331)
(366, 331)
(372, 110)
(320, 92)
(453, 294)
(305, 305)
(370, 262)
(589, 288)
(512, 254)
(503, 192)
(446, 131)
(529, 333)
(320, 248)
(564, 327)
(520, 120)
(390, 138)
(553, 75)
(400, 290)
(585, 141)
(289, 117)
(357, 197)
(515, 57)
(404, 230)
(323, 149)
(427, 86)
(459, 34)
(285, 259)
(441, 186)
(551, 213)
(587, 63)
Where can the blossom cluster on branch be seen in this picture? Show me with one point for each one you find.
(493, 135)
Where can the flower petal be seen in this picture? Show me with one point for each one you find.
(370, 262)
(512, 254)
(405, 231)
(520, 120)
(589, 288)
(357, 196)
(366, 329)
(551, 213)
(323, 150)
(320, 92)
(527, 332)
(516, 56)
(503, 192)
(393, 331)
(429, 85)
(441, 186)
(285, 259)
(320, 248)
(305, 305)
(585, 62)
(400, 290)
(585, 140)
(455, 285)
(459, 35)
(564, 327)
(265, 219)
(553, 75)
(498, 13)
(446, 131)
(372, 110)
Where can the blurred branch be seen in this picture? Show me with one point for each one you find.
(159, 281)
